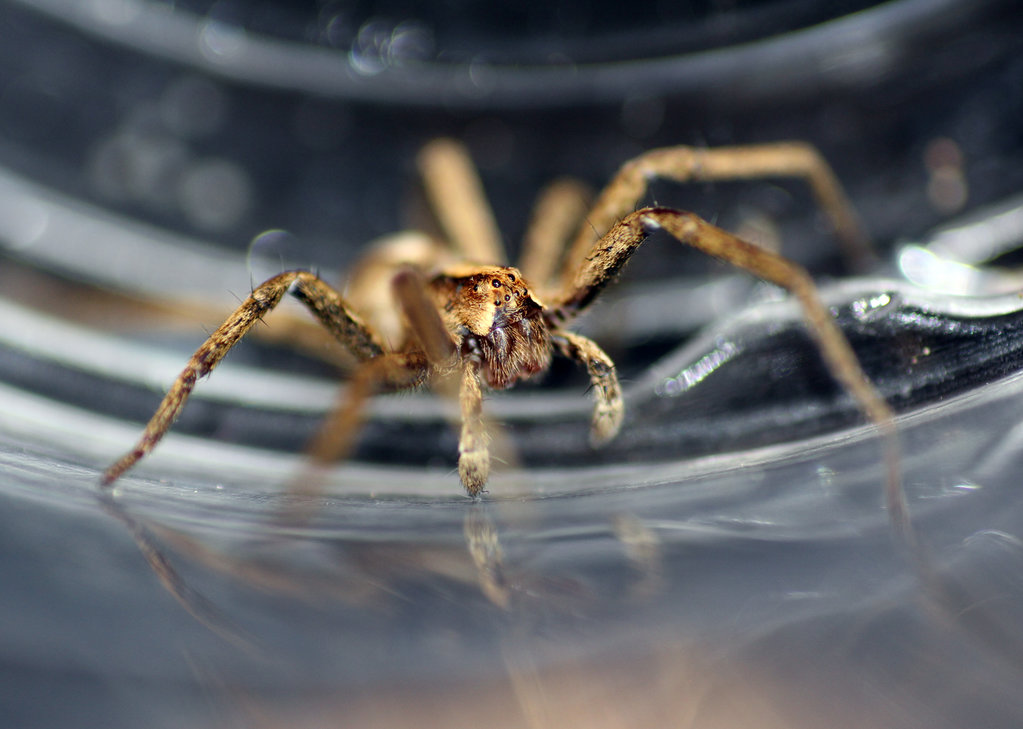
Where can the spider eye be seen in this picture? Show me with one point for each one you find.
(511, 277)
(507, 297)
(497, 284)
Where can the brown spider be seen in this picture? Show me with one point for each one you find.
(456, 313)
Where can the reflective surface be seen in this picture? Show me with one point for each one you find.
(727, 561)
(736, 583)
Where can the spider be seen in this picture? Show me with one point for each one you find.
(456, 315)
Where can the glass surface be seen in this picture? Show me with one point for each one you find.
(727, 560)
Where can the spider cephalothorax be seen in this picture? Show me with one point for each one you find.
(480, 325)
(493, 315)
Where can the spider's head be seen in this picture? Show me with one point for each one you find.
(494, 315)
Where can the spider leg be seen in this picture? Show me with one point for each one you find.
(325, 303)
(337, 433)
(609, 407)
(559, 208)
(684, 164)
(368, 286)
(474, 440)
(428, 328)
(610, 254)
(402, 370)
(394, 370)
(456, 195)
(433, 353)
(431, 348)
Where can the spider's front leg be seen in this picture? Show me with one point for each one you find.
(325, 303)
(609, 408)
(684, 164)
(473, 442)
(429, 332)
(610, 254)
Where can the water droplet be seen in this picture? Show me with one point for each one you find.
(410, 41)
(218, 40)
(272, 252)
(368, 55)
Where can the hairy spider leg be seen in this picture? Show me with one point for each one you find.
(430, 347)
(427, 327)
(559, 209)
(456, 196)
(609, 407)
(322, 300)
(430, 354)
(684, 164)
(474, 439)
(614, 249)
(392, 370)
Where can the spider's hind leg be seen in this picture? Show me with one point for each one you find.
(456, 196)
(558, 210)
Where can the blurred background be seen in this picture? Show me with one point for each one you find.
(726, 561)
